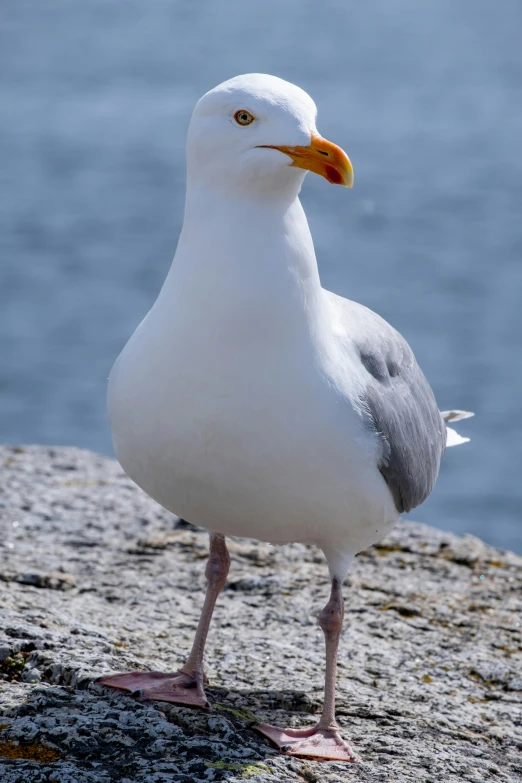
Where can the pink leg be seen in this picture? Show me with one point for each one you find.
(186, 685)
(323, 740)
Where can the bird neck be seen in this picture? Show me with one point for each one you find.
(245, 260)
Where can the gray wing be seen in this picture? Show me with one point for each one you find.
(400, 405)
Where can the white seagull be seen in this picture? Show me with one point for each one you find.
(253, 402)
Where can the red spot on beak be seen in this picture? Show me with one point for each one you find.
(333, 176)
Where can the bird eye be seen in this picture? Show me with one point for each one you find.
(243, 117)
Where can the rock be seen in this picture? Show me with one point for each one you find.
(50, 581)
(97, 578)
(31, 675)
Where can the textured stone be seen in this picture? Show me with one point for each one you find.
(96, 578)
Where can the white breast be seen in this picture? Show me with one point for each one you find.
(245, 444)
(223, 406)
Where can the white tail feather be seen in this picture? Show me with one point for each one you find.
(455, 415)
(453, 438)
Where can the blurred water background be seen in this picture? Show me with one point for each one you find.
(426, 98)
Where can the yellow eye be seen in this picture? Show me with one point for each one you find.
(243, 117)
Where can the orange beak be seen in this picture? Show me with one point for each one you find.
(322, 157)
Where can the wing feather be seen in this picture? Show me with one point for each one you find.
(400, 405)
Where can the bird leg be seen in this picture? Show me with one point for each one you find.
(323, 740)
(184, 686)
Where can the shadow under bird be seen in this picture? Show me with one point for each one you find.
(253, 402)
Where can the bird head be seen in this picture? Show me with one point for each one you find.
(257, 133)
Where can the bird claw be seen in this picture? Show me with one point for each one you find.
(179, 687)
(316, 743)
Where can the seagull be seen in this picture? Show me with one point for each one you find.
(253, 402)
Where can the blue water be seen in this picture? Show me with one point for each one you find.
(426, 98)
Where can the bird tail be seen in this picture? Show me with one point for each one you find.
(453, 438)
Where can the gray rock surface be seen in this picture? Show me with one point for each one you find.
(95, 577)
